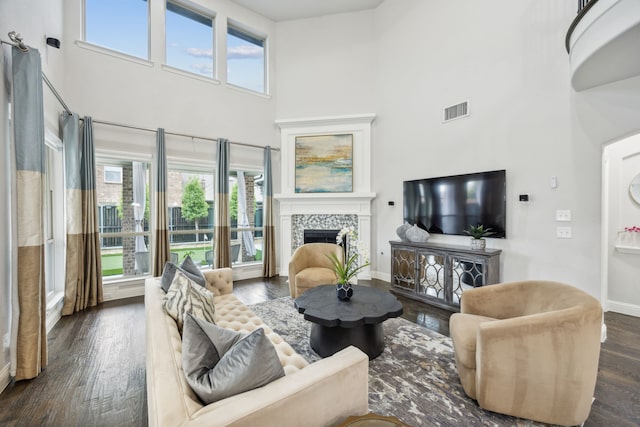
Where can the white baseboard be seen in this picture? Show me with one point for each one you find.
(624, 308)
(381, 276)
(5, 377)
(251, 271)
(114, 291)
(54, 311)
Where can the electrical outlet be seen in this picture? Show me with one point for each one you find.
(6, 340)
(563, 232)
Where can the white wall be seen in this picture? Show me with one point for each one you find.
(110, 88)
(508, 60)
(33, 19)
(326, 65)
(623, 268)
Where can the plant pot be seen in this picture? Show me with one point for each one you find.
(344, 291)
(478, 244)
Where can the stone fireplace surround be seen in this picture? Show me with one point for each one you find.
(300, 211)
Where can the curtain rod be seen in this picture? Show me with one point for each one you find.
(16, 41)
(205, 138)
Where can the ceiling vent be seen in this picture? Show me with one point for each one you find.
(457, 111)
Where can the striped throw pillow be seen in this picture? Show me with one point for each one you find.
(185, 296)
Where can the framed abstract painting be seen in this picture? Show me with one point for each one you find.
(324, 164)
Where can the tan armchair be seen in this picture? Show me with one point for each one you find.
(529, 349)
(310, 267)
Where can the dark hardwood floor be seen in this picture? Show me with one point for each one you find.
(96, 372)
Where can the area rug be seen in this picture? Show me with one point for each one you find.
(414, 379)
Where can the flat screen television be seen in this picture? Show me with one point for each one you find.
(450, 204)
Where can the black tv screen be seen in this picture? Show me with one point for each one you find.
(450, 204)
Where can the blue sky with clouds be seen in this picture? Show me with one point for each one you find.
(122, 25)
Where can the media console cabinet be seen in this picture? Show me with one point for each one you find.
(438, 273)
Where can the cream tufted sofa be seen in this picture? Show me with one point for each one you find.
(321, 394)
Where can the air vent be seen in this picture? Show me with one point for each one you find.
(456, 111)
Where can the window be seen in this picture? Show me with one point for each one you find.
(189, 40)
(121, 25)
(112, 175)
(54, 224)
(245, 59)
(190, 203)
(123, 218)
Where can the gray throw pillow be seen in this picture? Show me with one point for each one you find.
(170, 271)
(190, 267)
(220, 363)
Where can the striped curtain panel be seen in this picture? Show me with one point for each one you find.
(30, 316)
(83, 284)
(162, 251)
(268, 229)
(222, 256)
(73, 195)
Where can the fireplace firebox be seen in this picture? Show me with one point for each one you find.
(323, 236)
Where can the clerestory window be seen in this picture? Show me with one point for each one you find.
(189, 39)
(246, 65)
(120, 25)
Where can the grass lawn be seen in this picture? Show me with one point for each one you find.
(112, 263)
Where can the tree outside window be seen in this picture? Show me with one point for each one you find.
(194, 204)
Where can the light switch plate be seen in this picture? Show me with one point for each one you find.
(563, 232)
(563, 215)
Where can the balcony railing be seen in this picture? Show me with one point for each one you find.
(583, 8)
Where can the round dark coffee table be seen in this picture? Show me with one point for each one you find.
(338, 324)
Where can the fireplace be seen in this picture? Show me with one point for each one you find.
(324, 212)
(320, 236)
(324, 236)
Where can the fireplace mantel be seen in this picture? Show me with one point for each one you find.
(324, 203)
(356, 203)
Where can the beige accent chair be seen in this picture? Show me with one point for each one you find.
(310, 266)
(529, 349)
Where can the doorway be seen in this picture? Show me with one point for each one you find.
(620, 214)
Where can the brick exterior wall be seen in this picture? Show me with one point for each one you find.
(128, 223)
(107, 193)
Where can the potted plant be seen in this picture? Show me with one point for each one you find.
(478, 233)
(347, 270)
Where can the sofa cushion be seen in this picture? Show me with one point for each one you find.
(314, 276)
(464, 334)
(220, 363)
(185, 296)
(169, 272)
(232, 314)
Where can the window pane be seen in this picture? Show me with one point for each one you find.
(121, 25)
(190, 203)
(123, 210)
(189, 40)
(245, 60)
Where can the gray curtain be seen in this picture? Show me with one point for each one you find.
(73, 194)
(30, 315)
(161, 234)
(83, 285)
(268, 229)
(222, 256)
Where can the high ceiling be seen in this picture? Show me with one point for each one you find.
(284, 10)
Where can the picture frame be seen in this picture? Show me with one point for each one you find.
(324, 163)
